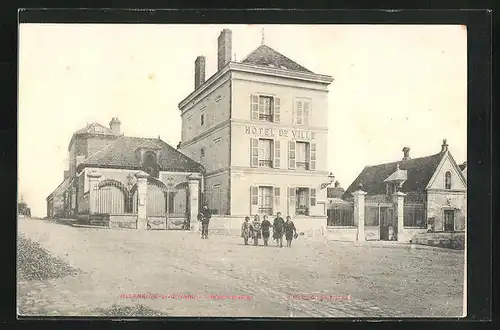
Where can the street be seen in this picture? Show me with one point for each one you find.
(370, 280)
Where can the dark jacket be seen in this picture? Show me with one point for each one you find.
(206, 215)
(265, 225)
(278, 225)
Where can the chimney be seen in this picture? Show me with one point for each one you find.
(224, 45)
(114, 125)
(444, 146)
(406, 153)
(66, 175)
(199, 71)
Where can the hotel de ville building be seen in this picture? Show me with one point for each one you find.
(259, 126)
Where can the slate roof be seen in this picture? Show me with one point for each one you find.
(462, 166)
(419, 173)
(266, 56)
(121, 154)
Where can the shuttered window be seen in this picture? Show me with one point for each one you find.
(301, 112)
(291, 154)
(312, 156)
(277, 196)
(291, 199)
(277, 154)
(254, 107)
(254, 195)
(277, 110)
(254, 152)
(313, 196)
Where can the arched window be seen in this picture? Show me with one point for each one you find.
(447, 180)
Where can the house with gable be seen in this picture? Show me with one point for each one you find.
(435, 195)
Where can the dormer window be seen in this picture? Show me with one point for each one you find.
(447, 180)
(150, 164)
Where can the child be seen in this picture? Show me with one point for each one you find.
(245, 230)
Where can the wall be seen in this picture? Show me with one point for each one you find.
(243, 179)
(216, 153)
(214, 102)
(246, 84)
(456, 181)
(438, 201)
(223, 199)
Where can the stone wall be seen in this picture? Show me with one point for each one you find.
(438, 201)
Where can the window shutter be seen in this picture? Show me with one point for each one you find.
(276, 115)
(277, 154)
(291, 201)
(254, 195)
(254, 152)
(291, 154)
(254, 107)
(277, 195)
(312, 197)
(312, 155)
(299, 113)
(306, 112)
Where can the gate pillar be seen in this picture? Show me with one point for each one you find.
(359, 213)
(94, 186)
(399, 198)
(194, 190)
(142, 191)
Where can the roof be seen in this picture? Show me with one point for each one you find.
(60, 188)
(121, 154)
(334, 192)
(266, 56)
(93, 129)
(462, 166)
(419, 173)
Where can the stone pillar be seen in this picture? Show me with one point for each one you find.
(359, 213)
(399, 200)
(142, 192)
(194, 203)
(93, 188)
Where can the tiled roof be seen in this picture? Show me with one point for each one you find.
(334, 192)
(419, 173)
(122, 154)
(266, 56)
(95, 128)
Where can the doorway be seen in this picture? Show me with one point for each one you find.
(449, 220)
(388, 230)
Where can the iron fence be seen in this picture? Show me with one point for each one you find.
(217, 200)
(341, 215)
(414, 215)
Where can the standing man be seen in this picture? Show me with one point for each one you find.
(265, 229)
(278, 228)
(205, 220)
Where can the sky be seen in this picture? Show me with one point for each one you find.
(394, 86)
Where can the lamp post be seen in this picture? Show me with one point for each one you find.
(169, 185)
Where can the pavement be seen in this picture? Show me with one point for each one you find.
(179, 274)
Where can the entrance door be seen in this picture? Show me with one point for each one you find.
(387, 224)
(449, 220)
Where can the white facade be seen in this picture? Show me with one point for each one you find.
(261, 134)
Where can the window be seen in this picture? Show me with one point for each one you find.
(265, 156)
(447, 180)
(150, 164)
(265, 108)
(302, 112)
(302, 161)
(302, 201)
(414, 216)
(265, 200)
(202, 119)
(202, 152)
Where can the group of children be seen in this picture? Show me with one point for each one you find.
(257, 229)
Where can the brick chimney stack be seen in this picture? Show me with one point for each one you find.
(406, 153)
(114, 125)
(199, 71)
(444, 146)
(224, 46)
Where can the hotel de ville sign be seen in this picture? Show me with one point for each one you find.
(273, 133)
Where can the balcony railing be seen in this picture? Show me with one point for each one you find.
(303, 165)
(265, 117)
(266, 163)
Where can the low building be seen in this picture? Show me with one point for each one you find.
(433, 188)
(109, 180)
